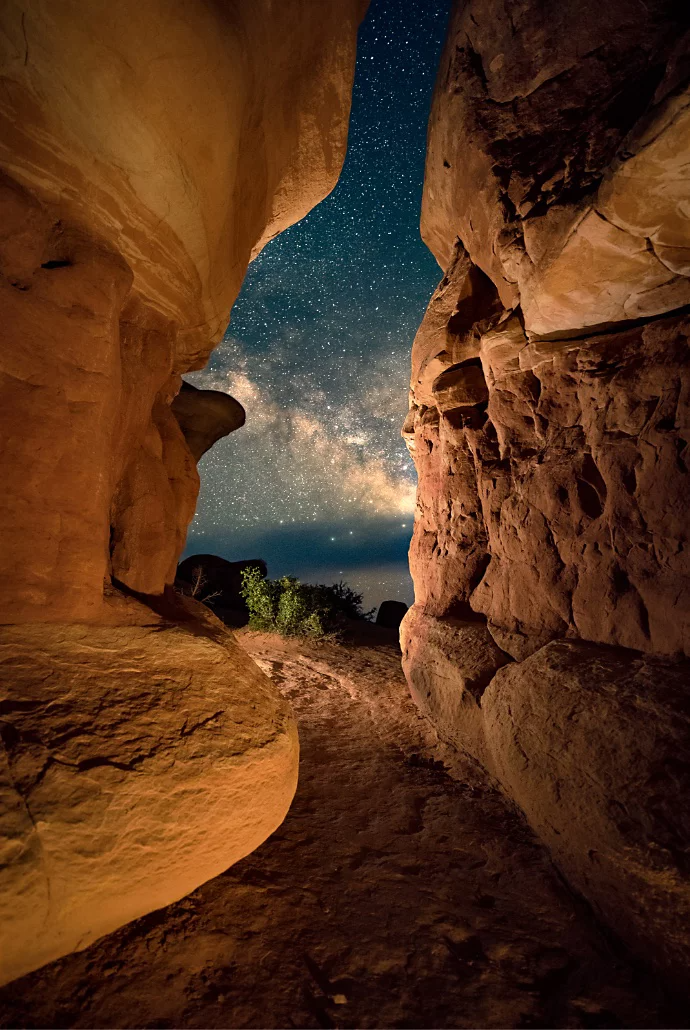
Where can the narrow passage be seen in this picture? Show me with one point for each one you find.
(395, 894)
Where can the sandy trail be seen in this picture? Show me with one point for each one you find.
(394, 895)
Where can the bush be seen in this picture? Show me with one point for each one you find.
(291, 608)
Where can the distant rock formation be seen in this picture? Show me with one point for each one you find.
(205, 416)
(148, 151)
(391, 614)
(209, 575)
(549, 424)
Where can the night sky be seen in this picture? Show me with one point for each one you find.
(319, 482)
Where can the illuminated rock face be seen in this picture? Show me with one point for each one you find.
(155, 759)
(147, 151)
(549, 423)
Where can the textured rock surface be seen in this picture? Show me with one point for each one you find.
(549, 124)
(449, 662)
(594, 745)
(550, 423)
(147, 151)
(136, 763)
(205, 416)
(393, 895)
(553, 479)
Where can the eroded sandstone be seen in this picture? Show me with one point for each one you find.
(206, 416)
(137, 762)
(147, 153)
(549, 424)
(593, 743)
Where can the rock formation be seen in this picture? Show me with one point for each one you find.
(138, 761)
(549, 423)
(147, 152)
(209, 575)
(391, 614)
(205, 416)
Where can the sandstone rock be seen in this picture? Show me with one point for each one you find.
(448, 551)
(542, 516)
(463, 302)
(147, 151)
(593, 743)
(449, 662)
(532, 113)
(460, 386)
(205, 416)
(585, 514)
(556, 505)
(629, 256)
(137, 762)
(391, 614)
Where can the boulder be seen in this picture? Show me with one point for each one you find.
(593, 744)
(391, 614)
(136, 763)
(206, 416)
(449, 662)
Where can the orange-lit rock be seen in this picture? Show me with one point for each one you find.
(147, 152)
(136, 763)
(554, 481)
(593, 743)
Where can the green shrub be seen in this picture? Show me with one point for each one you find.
(292, 608)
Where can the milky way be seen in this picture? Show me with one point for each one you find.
(319, 482)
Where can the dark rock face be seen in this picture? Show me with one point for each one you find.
(593, 743)
(549, 424)
(206, 416)
(209, 575)
(391, 614)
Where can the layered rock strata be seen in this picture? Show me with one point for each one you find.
(549, 424)
(148, 151)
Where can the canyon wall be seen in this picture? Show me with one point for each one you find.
(148, 151)
(549, 424)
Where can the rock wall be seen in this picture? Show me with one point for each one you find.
(148, 151)
(549, 424)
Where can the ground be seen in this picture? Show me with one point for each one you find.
(399, 892)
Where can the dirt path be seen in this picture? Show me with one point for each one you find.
(392, 896)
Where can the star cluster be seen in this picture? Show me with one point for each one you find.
(319, 481)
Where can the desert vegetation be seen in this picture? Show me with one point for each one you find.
(291, 608)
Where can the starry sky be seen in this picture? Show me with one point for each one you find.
(319, 482)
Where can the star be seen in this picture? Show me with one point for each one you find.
(318, 346)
